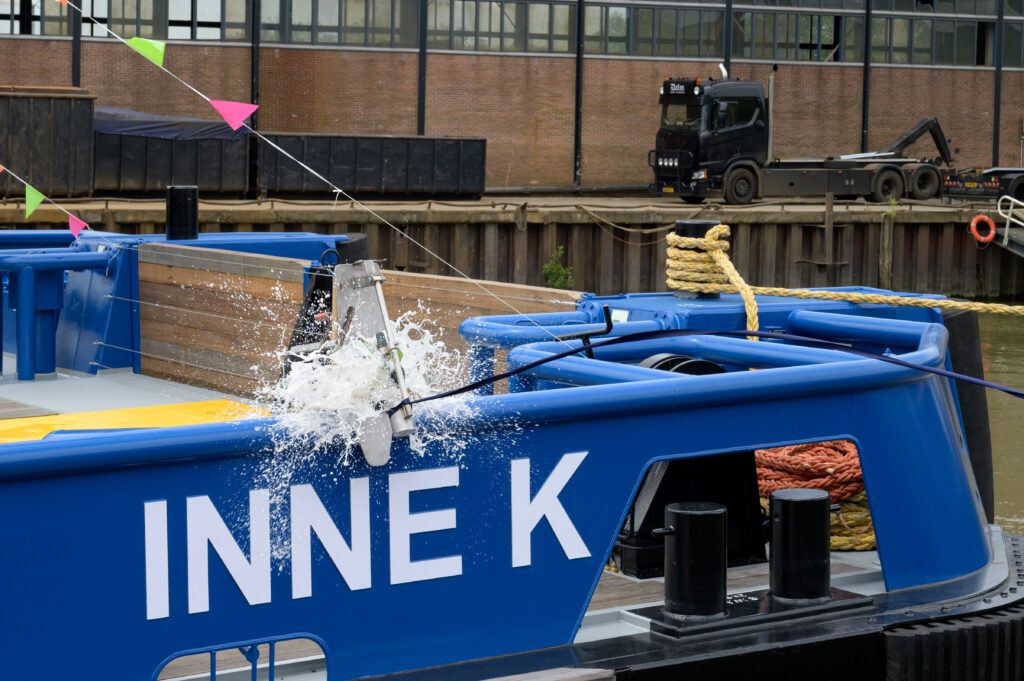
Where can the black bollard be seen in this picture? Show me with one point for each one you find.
(695, 229)
(800, 551)
(182, 213)
(695, 559)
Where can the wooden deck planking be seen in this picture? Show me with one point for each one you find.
(9, 409)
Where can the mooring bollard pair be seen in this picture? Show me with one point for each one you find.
(695, 554)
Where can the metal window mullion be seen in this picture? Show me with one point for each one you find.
(817, 57)
(501, 26)
(314, 21)
(775, 37)
(679, 46)
(630, 22)
(551, 28)
(700, 33)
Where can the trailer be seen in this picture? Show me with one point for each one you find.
(715, 140)
(986, 184)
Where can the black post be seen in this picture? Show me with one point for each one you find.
(76, 47)
(727, 36)
(695, 559)
(577, 126)
(254, 58)
(25, 17)
(999, 81)
(182, 213)
(798, 563)
(255, 12)
(421, 78)
(865, 95)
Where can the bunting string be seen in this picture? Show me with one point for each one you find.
(33, 198)
(235, 115)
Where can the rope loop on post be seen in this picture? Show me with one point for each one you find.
(702, 266)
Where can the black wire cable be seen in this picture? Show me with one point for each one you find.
(675, 333)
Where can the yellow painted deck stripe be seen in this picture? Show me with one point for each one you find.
(184, 414)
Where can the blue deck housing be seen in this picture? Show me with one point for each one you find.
(490, 542)
(76, 299)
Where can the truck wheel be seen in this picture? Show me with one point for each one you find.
(924, 182)
(1016, 189)
(740, 186)
(888, 185)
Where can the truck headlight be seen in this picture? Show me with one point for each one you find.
(700, 175)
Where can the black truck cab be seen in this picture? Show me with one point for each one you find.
(707, 127)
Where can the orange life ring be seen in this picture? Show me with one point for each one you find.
(991, 229)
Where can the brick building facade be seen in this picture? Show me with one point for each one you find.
(523, 103)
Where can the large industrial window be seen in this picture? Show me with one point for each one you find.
(742, 34)
(539, 38)
(328, 15)
(667, 32)
(853, 39)
(689, 35)
(563, 28)
(488, 26)
(787, 34)
(464, 25)
(538, 26)
(711, 34)
(879, 40)
(923, 41)
(618, 30)
(764, 36)
(301, 23)
(966, 53)
(514, 27)
(944, 42)
(643, 31)
(593, 29)
(439, 14)
(1012, 44)
(900, 41)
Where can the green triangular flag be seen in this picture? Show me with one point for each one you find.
(152, 50)
(32, 200)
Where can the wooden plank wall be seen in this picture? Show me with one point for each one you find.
(922, 248)
(216, 318)
(444, 302)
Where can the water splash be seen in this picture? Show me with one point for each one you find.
(330, 400)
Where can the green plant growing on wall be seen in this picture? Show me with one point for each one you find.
(557, 275)
(894, 208)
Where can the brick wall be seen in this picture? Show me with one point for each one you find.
(523, 105)
(334, 91)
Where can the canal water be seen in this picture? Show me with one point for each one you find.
(1002, 348)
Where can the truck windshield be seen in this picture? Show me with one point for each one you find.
(682, 116)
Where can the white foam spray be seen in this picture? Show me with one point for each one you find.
(329, 401)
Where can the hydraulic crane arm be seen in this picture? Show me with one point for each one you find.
(929, 125)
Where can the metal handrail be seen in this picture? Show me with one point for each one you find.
(1011, 210)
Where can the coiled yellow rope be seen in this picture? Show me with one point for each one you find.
(700, 265)
(851, 528)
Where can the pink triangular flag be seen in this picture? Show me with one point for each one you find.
(234, 113)
(76, 225)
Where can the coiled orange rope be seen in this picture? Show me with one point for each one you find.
(833, 466)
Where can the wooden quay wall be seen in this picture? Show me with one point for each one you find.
(616, 245)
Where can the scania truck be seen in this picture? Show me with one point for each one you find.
(715, 140)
